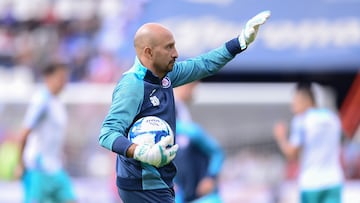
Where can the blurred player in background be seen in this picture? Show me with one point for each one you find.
(315, 138)
(199, 158)
(42, 139)
(147, 90)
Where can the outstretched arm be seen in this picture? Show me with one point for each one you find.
(210, 63)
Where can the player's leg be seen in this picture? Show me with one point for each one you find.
(159, 195)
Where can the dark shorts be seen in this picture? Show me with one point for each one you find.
(147, 196)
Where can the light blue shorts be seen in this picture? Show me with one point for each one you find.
(326, 195)
(41, 187)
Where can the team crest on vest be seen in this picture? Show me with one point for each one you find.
(166, 83)
(155, 101)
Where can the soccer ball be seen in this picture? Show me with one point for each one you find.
(149, 130)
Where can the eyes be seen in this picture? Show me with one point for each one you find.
(170, 46)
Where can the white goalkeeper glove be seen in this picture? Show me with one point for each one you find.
(157, 155)
(251, 28)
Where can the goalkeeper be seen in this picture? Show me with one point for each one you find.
(145, 173)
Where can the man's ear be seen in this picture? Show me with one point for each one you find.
(148, 52)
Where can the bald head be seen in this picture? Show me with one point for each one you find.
(155, 48)
(150, 35)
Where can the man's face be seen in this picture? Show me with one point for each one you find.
(299, 103)
(60, 78)
(164, 55)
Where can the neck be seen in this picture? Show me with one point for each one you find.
(153, 70)
(151, 67)
(307, 108)
(51, 87)
(52, 90)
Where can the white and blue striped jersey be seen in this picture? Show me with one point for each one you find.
(318, 133)
(46, 117)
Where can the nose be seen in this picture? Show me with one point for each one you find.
(175, 53)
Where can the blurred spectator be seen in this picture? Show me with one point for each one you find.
(103, 68)
(6, 47)
(351, 159)
(85, 33)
